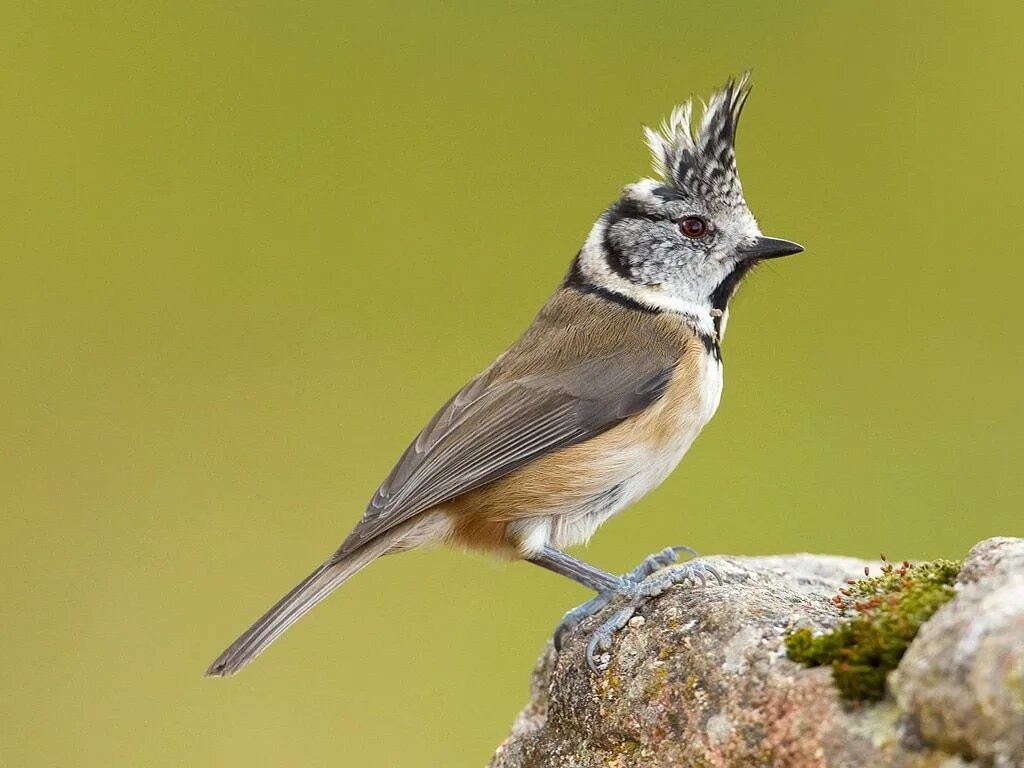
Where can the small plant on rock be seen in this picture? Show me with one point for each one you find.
(884, 614)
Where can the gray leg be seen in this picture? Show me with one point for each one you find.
(650, 564)
(639, 592)
(580, 572)
(605, 584)
(645, 581)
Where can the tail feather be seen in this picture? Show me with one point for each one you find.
(292, 607)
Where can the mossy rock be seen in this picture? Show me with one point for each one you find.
(887, 612)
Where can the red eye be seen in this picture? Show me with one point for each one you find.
(693, 226)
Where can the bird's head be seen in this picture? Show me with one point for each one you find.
(685, 240)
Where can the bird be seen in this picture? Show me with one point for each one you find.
(592, 407)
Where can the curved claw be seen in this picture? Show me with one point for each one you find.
(573, 617)
(683, 548)
(709, 569)
(656, 562)
(601, 640)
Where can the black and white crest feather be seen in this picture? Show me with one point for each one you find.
(702, 164)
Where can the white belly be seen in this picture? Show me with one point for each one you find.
(642, 469)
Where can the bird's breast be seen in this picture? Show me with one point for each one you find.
(623, 465)
(663, 433)
(562, 497)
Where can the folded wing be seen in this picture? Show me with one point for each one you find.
(498, 423)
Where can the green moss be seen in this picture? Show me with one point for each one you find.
(885, 612)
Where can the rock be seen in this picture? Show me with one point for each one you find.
(961, 682)
(704, 680)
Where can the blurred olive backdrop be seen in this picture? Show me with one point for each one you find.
(248, 248)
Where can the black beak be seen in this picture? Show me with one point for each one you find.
(768, 248)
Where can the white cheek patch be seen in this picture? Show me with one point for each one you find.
(594, 266)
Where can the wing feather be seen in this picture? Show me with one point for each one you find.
(514, 412)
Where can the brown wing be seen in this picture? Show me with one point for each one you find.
(572, 376)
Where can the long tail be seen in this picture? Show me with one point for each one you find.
(293, 606)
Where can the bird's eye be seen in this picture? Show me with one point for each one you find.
(693, 227)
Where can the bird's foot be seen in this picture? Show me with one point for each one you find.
(656, 562)
(647, 580)
(636, 594)
(649, 565)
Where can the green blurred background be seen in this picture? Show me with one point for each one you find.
(248, 248)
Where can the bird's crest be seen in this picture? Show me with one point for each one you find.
(702, 163)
